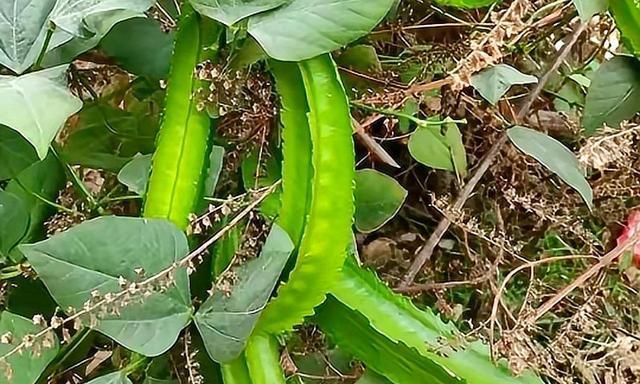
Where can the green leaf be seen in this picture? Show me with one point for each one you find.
(107, 137)
(439, 147)
(44, 179)
(27, 366)
(554, 156)
(226, 320)
(456, 146)
(588, 8)
(24, 25)
(16, 153)
(492, 83)
(613, 94)
(216, 158)
(23, 29)
(37, 105)
(64, 47)
(230, 12)
(360, 57)
(626, 14)
(112, 378)
(14, 222)
(467, 4)
(140, 46)
(303, 29)
(93, 255)
(135, 174)
(69, 15)
(378, 198)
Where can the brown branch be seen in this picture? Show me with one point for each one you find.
(427, 249)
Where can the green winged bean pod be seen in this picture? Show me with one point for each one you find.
(184, 137)
(297, 171)
(327, 233)
(263, 360)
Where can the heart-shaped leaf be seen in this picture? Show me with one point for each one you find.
(93, 255)
(69, 15)
(554, 156)
(226, 319)
(230, 12)
(303, 29)
(41, 180)
(24, 25)
(140, 46)
(378, 198)
(135, 174)
(112, 378)
(613, 94)
(25, 367)
(37, 105)
(16, 153)
(494, 82)
(14, 222)
(23, 29)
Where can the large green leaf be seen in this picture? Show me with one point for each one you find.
(27, 366)
(24, 25)
(93, 255)
(140, 46)
(41, 180)
(23, 29)
(135, 174)
(439, 147)
(626, 13)
(407, 345)
(14, 222)
(467, 3)
(227, 319)
(16, 153)
(64, 47)
(37, 105)
(494, 82)
(230, 12)
(588, 8)
(378, 198)
(69, 15)
(112, 378)
(613, 94)
(107, 137)
(553, 155)
(303, 29)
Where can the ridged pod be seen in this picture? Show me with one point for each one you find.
(327, 233)
(263, 360)
(405, 344)
(183, 140)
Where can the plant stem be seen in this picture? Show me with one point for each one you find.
(43, 51)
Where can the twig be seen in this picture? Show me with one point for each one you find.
(372, 145)
(532, 264)
(427, 250)
(607, 259)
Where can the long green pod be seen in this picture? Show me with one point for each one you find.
(236, 372)
(328, 230)
(183, 140)
(393, 337)
(297, 171)
(263, 360)
(261, 354)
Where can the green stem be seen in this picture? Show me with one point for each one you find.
(419, 122)
(43, 51)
